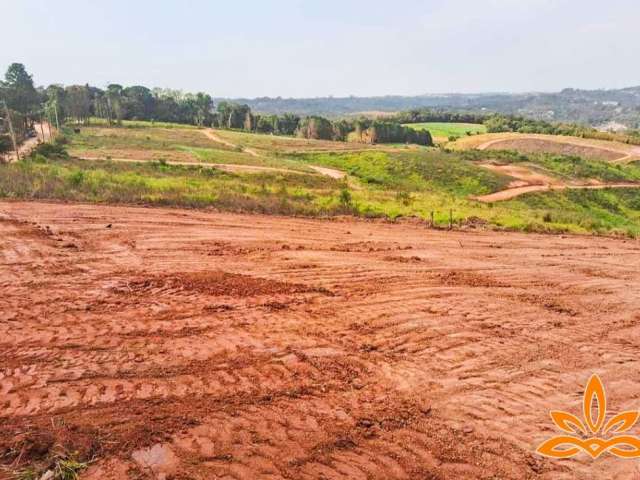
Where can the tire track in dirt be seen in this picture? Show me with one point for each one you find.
(411, 354)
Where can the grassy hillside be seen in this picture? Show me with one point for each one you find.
(390, 182)
(446, 130)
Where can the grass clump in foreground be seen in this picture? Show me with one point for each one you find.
(61, 466)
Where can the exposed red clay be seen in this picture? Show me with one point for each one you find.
(183, 344)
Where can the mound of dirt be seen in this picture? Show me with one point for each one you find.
(213, 283)
(468, 279)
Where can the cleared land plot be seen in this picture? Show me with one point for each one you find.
(443, 131)
(192, 345)
(535, 145)
(287, 145)
(558, 144)
(153, 143)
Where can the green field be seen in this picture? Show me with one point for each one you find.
(389, 183)
(446, 130)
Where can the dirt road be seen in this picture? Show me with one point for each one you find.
(329, 172)
(216, 138)
(183, 344)
(528, 180)
(228, 167)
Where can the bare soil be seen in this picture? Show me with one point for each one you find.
(183, 344)
(614, 152)
(538, 145)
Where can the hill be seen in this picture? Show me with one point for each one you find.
(598, 108)
(143, 163)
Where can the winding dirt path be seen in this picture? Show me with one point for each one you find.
(216, 138)
(186, 344)
(229, 167)
(517, 191)
(29, 144)
(329, 172)
(529, 181)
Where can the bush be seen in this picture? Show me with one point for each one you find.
(50, 150)
(345, 197)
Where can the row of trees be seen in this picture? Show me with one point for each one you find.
(115, 103)
(427, 115)
(239, 116)
(508, 123)
(496, 123)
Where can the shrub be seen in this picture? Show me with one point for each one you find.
(345, 197)
(50, 150)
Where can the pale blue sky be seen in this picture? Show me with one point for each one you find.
(296, 48)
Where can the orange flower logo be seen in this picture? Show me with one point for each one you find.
(589, 441)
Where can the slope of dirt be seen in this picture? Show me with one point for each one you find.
(182, 344)
(538, 145)
(614, 152)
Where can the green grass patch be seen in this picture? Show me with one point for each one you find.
(447, 130)
(416, 171)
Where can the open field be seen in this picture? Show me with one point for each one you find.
(196, 345)
(442, 131)
(165, 144)
(556, 144)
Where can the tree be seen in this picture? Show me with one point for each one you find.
(78, 102)
(316, 127)
(115, 101)
(288, 124)
(18, 92)
(140, 103)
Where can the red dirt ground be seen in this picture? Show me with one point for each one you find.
(182, 344)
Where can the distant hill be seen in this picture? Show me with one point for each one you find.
(593, 107)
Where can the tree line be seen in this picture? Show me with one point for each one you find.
(498, 123)
(363, 130)
(116, 103)
(425, 115)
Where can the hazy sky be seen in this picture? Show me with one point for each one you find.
(292, 48)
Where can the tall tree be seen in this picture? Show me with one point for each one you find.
(19, 92)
